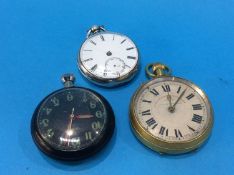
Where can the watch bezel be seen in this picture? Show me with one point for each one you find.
(108, 82)
(81, 154)
(158, 144)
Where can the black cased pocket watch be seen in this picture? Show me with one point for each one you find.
(72, 123)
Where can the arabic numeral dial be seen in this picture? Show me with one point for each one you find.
(69, 97)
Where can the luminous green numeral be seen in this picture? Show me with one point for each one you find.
(50, 133)
(44, 122)
(92, 104)
(96, 125)
(75, 142)
(69, 97)
(88, 135)
(99, 114)
(55, 101)
(47, 110)
(84, 98)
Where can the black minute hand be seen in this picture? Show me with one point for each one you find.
(181, 95)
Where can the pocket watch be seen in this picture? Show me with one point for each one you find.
(108, 59)
(170, 114)
(72, 123)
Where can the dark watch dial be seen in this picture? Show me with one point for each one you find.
(72, 120)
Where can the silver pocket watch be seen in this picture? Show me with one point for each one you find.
(107, 58)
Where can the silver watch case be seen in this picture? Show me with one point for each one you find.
(108, 82)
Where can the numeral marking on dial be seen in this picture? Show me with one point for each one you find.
(92, 104)
(91, 41)
(131, 57)
(69, 97)
(75, 142)
(102, 38)
(150, 122)
(99, 114)
(178, 133)
(86, 60)
(55, 101)
(130, 48)
(94, 68)
(162, 130)
(166, 88)
(87, 50)
(147, 101)
(197, 118)
(153, 91)
(190, 96)
(50, 133)
(127, 66)
(84, 98)
(147, 112)
(197, 107)
(154, 126)
(96, 125)
(48, 110)
(178, 91)
(190, 128)
(45, 122)
(88, 135)
(123, 41)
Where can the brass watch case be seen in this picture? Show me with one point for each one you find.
(170, 147)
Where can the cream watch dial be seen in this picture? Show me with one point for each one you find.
(172, 111)
(108, 55)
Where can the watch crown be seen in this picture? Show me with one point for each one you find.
(94, 29)
(156, 70)
(68, 80)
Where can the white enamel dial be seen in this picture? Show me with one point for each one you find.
(108, 55)
(172, 110)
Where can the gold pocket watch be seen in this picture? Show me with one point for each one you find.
(170, 114)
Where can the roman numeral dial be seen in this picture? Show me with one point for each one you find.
(163, 131)
(178, 133)
(110, 56)
(151, 123)
(197, 118)
(146, 112)
(171, 111)
(197, 107)
(166, 88)
(154, 91)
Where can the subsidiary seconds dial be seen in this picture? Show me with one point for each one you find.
(108, 58)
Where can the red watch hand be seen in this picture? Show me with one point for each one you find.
(84, 116)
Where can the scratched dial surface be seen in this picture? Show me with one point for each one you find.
(71, 119)
(172, 110)
(108, 55)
